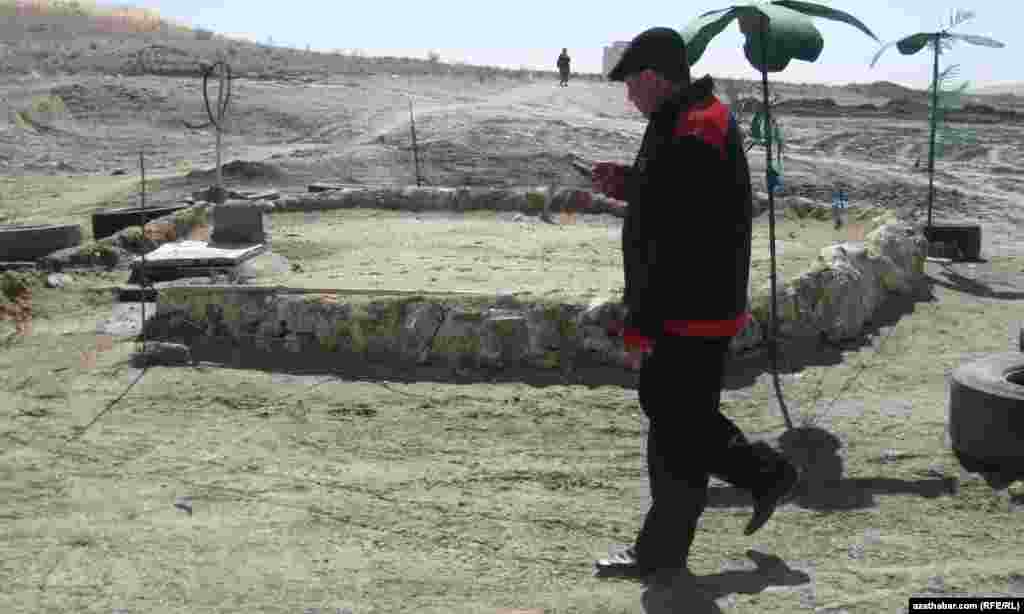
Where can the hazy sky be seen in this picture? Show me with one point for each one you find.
(531, 33)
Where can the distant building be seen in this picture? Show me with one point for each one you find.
(612, 55)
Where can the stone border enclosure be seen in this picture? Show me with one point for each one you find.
(835, 299)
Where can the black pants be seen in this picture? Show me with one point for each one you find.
(564, 77)
(688, 441)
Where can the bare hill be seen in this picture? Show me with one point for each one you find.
(1002, 89)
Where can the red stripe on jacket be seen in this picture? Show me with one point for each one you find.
(708, 121)
(632, 338)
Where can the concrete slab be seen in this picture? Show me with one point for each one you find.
(126, 319)
(200, 253)
(257, 195)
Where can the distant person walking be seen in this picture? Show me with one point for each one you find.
(690, 173)
(563, 67)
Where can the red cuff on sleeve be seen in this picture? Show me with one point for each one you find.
(634, 340)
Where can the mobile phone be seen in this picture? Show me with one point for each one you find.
(583, 169)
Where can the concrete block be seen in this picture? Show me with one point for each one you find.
(238, 222)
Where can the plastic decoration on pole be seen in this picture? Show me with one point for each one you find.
(839, 206)
(775, 33)
(216, 119)
(938, 42)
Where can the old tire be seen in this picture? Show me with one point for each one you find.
(966, 237)
(30, 242)
(986, 417)
(106, 223)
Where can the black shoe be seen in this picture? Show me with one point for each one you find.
(766, 501)
(622, 563)
(611, 568)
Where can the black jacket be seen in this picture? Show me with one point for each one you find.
(687, 231)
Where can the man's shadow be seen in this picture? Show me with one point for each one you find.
(822, 486)
(698, 594)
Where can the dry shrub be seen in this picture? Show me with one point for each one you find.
(45, 111)
(16, 301)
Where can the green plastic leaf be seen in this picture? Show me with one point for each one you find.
(915, 42)
(826, 12)
(960, 17)
(715, 12)
(756, 126)
(790, 35)
(699, 32)
(880, 51)
(982, 41)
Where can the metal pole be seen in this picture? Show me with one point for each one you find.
(220, 120)
(771, 218)
(415, 148)
(931, 139)
(142, 274)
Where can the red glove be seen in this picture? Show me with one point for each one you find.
(609, 178)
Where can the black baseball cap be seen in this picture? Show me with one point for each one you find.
(660, 49)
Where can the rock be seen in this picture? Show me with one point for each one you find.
(161, 353)
(421, 323)
(57, 280)
(593, 325)
(906, 250)
(458, 339)
(90, 254)
(126, 319)
(830, 301)
(266, 264)
(504, 338)
(838, 296)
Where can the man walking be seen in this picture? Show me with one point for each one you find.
(563, 67)
(686, 248)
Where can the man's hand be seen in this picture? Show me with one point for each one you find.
(609, 178)
(637, 348)
(635, 358)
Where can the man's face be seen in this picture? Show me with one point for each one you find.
(644, 91)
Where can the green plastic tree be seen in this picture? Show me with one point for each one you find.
(938, 41)
(776, 33)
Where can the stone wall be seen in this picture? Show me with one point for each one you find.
(836, 298)
(414, 198)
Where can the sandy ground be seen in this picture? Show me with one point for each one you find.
(221, 490)
(216, 489)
